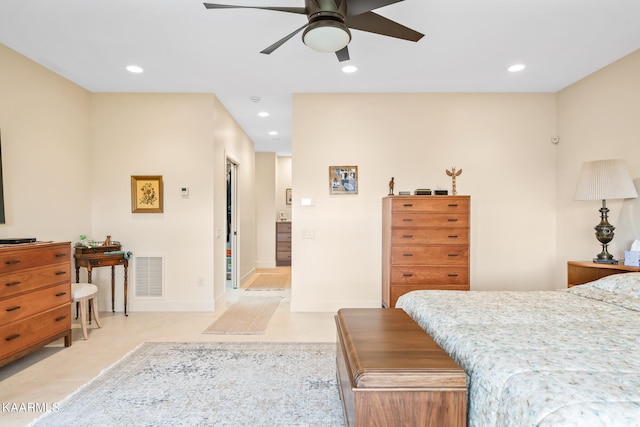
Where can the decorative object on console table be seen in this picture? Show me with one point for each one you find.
(283, 243)
(425, 244)
(35, 301)
(602, 180)
(103, 256)
(580, 272)
(343, 180)
(146, 194)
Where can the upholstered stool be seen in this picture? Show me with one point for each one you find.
(85, 295)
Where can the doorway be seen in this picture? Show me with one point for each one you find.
(231, 225)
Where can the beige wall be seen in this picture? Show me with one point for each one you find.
(500, 141)
(186, 138)
(68, 156)
(45, 130)
(598, 118)
(265, 189)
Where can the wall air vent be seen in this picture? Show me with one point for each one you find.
(149, 278)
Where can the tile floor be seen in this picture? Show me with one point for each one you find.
(47, 376)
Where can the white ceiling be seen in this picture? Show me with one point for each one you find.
(184, 47)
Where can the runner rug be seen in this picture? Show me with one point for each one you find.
(247, 316)
(270, 282)
(210, 384)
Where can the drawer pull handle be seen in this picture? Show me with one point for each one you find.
(453, 205)
(60, 294)
(407, 275)
(452, 255)
(12, 337)
(452, 275)
(452, 219)
(60, 273)
(407, 254)
(59, 318)
(407, 219)
(12, 284)
(17, 307)
(408, 205)
(61, 255)
(407, 236)
(13, 261)
(453, 236)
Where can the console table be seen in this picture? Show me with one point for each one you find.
(103, 256)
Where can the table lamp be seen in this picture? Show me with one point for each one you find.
(602, 180)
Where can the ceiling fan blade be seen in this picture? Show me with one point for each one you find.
(343, 54)
(357, 7)
(300, 10)
(374, 23)
(282, 41)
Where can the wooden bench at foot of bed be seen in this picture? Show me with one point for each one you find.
(391, 373)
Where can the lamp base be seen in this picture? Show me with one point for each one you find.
(605, 261)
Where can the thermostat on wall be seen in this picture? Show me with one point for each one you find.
(184, 191)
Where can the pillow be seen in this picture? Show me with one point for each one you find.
(624, 283)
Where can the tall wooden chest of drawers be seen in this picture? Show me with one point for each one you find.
(283, 243)
(425, 244)
(35, 297)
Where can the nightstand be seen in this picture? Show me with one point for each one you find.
(579, 272)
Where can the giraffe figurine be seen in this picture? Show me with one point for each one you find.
(453, 174)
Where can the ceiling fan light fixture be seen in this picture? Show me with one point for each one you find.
(326, 35)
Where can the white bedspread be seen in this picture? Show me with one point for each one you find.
(555, 358)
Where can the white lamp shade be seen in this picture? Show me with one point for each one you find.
(605, 179)
(326, 36)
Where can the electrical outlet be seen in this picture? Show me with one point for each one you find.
(200, 282)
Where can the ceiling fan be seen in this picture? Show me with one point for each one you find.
(327, 29)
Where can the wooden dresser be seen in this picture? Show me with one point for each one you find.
(425, 244)
(35, 297)
(283, 243)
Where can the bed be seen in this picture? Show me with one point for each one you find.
(545, 358)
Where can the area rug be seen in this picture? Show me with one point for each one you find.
(270, 282)
(210, 384)
(247, 316)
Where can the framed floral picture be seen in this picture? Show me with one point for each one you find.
(343, 180)
(146, 194)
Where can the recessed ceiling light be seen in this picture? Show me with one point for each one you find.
(134, 69)
(516, 67)
(273, 133)
(263, 114)
(349, 69)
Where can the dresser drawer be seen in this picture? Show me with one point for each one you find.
(283, 237)
(283, 227)
(23, 306)
(283, 246)
(430, 255)
(436, 219)
(283, 256)
(20, 259)
(430, 204)
(22, 334)
(430, 236)
(34, 278)
(433, 275)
